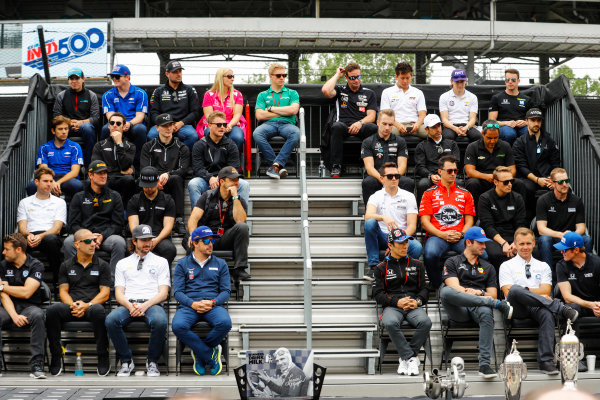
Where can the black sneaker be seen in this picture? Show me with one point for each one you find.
(569, 313)
(56, 365)
(336, 171)
(548, 368)
(242, 275)
(505, 308)
(37, 370)
(487, 372)
(103, 365)
(370, 274)
(180, 229)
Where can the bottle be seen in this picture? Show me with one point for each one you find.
(78, 365)
(322, 170)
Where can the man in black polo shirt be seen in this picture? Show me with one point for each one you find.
(84, 286)
(483, 156)
(224, 212)
(558, 213)
(382, 147)
(155, 208)
(470, 293)
(536, 154)
(428, 153)
(356, 108)
(501, 211)
(20, 277)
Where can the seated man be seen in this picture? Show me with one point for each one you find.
(202, 299)
(428, 153)
(380, 148)
(84, 286)
(142, 283)
(400, 287)
(41, 217)
(20, 277)
(130, 101)
(224, 211)
(408, 103)
(280, 120)
(155, 208)
(356, 107)
(557, 213)
(81, 106)
(446, 212)
(100, 210)
(172, 159)
(459, 109)
(527, 285)
(501, 211)
(470, 293)
(117, 153)
(211, 153)
(389, 209)
(64, 157)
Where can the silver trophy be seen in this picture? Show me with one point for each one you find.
(452, 386)
(569, 351)
(513, 372)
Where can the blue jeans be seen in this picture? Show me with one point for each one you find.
(198, 185)
(185, 318)
(137, 134)
(509, 134)
(69, 188)
(155, 318)
(435, 248)
(546, 249)
(237, 135)
(376, 240)
(87, 132)
(187, 134)
(269, 129)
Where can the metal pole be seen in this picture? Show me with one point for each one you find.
(318, 9)
(40, 30)
(304, 232)
(137, 8)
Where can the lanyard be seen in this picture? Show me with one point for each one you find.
(278, 100)
(222, 216)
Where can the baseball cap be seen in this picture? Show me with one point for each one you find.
(534, 113)
(201, 232)
(173, 65)
(142, 232)
(75, 71)
(228, 172)
(431, 120)
(477, 234)
(120, 69)
(148, 177)
(570, 240)
(458, 75)
(164, 119)
(398, 235)
(97, 166)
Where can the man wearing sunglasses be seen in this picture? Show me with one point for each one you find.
(355, 108)
(81, 106)
(130, 101)
(527, 285)
(118, 154)
(558, 213)
(509, 107)
(277, 107)
(201, 286)
(180, 101)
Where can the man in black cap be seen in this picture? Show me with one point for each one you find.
(155, 208)
(172, 159)
(117, 153)
(224, 211)
(180, 101)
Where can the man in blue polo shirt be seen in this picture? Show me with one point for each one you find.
(130, 101)
(64, 157)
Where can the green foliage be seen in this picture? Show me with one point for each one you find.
(585, 86)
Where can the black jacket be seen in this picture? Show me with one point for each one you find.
(528, 160)
(209, 157)
(183, 106)
(173, 158)
(392, 283)
(427, 155)
(99, 212)
(501, 215)
(117, 158)
(78, 105)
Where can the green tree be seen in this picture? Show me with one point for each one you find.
(579, 86)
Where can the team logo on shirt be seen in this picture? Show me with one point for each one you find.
(572, 277)
(391, 274)
(25, 274)
(72, 272)
(505, 101)
(152, 271)
(10, 272)
(451, 103)
(588, 275)
(448, 215)
(551, 209)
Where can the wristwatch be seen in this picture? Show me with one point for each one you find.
(1, 288)
(90, 304)
(419, 302)
(235, 197)
(269, 108)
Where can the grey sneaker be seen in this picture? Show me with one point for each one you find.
(505, 308)
(487, 372)
(569, 313)
(37, 370)
(370, 274)
(126, 369)
(152, 369)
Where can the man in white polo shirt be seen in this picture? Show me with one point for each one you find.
(41, 216)
(407, 102)
(389, 208)
(458, 109)
(142, 283)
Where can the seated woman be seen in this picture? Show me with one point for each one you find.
(223, 97)
(458, 109)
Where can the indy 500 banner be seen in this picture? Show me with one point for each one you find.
(69, 44)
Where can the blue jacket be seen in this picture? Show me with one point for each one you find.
(191, 282)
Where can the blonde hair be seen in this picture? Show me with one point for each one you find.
(219, 88)
(274, 67)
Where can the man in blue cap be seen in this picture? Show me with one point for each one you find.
(469, 293)
(201, 286)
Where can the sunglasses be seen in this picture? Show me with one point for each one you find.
(87, 241)
(219, 124)
(230, 76)
(510, 79)
(506, 182)
(393, 176)
(497, 126)
(117, 123)
(208, 241)
(280, 75)
(115, 77)
(461, 76)
(563, 181)
(528, 271)
(451, 170)
(353, 78)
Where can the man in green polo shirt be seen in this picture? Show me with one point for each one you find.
(277, 107)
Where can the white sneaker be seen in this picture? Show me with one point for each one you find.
(403, 367)
(152, 369)
(126, 369)
(413, 366)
